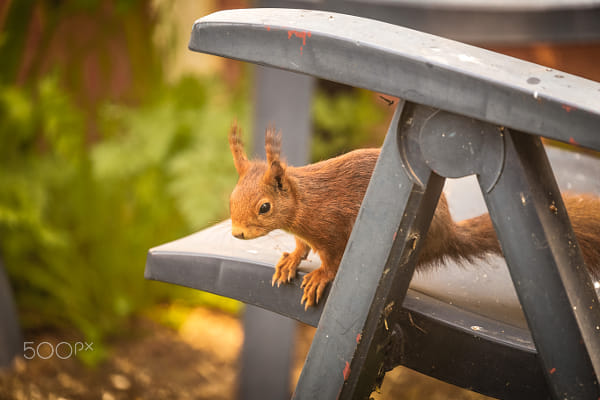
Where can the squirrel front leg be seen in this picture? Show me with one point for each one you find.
(286, 267)
(315, 282)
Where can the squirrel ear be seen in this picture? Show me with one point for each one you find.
(276, 168)
(275, 175)
(237, 149)
(272, 144)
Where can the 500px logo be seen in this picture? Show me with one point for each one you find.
(62, 350)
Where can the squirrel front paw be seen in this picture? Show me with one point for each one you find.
(286, 267)
(314, 285)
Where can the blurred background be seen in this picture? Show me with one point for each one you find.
(113, 139)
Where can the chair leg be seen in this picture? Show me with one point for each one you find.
(11, 341)
(546, 266)
(266, 360)
(346, 356)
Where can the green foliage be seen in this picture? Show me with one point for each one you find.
(344, 121)
(182, 139)
(76, 220)
(93, 5)
(87, 187)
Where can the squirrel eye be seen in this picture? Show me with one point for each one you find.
(264, 208)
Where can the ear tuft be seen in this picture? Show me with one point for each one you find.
(272, 144)
(237, 149)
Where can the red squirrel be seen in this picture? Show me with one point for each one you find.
(318, 204)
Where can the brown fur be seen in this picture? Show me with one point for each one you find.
(318, 204)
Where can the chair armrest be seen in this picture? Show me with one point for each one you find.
(412, 65)
(212, 260)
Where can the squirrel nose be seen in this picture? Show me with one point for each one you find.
(237, 232)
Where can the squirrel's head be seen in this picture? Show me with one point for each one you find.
(263, 198)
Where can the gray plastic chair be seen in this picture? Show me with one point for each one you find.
(490, 101)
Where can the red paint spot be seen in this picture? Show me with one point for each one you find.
(573, 141)
(268, 28)
(358, 337)
(553, 370)
(346, 371)
(395, 234)
(567, 108)
(302, 35)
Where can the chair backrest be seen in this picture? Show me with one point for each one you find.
(412, 65)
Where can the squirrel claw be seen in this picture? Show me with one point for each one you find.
(285, 270)
(305, 301)
(306, 306)
(314, 285)
(276, 280)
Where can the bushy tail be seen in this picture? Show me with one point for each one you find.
(584, 211)
(475, 238)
